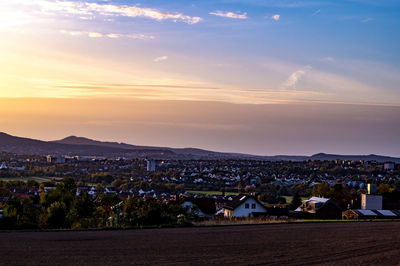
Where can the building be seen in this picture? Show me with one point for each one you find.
(388, 166)
(319, 208)
(151, 166)
(55, 159)
(370, 201)
(244, 206)
(202, 207)
(370, 214)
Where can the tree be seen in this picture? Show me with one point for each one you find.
(321, 190)
(67, 185)
(57, 213)
(296, 201)
(384, 189)
(13, 210)
(85, 206)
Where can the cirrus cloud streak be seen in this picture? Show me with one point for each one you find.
(92, 34)
(227, 14)
(88, 10)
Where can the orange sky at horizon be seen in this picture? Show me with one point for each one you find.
(299, 129)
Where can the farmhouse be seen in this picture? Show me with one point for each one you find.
(244, 206)
(320, 208)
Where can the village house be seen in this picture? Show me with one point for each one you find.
(202, 207)
(244, 206)
(319, 208)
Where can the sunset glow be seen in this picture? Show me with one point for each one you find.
(188, 73)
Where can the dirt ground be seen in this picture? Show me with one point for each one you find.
(351, 243)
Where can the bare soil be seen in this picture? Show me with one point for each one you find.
(335, 243)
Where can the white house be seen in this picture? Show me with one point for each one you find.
(244, 206)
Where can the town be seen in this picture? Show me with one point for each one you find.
(95, 192)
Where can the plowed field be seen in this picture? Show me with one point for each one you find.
(350, 243)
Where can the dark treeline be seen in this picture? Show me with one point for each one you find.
(61, 208)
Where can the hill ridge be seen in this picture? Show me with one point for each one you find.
(74, 145)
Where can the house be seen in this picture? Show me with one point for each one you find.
(319, 208)
(202, 207)
(370, 201)
(244, 206)
(356, 214)
(388, 166)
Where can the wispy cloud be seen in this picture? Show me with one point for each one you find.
(367, 20)
(95, 35)
(316, 12)
(92, 34)
(184, 93)
(87, 10)
(295, 77)
(327, 59)
(161, 58)
(134, 11)
(276, 17)
(228, 14)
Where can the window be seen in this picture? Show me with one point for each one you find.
(253, 205)
(246, 205)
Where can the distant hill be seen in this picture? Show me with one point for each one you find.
(189, 152)
(87, 147)
(370, 157)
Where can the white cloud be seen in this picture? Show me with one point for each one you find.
(113, 35)
(367, 20)
(229, 14)
(95, 35)
(87, 10)
(134, 11)
(108, 35)
(161, 58)
(327, 59)
(276, 17)
(87, 18)
(140, 36)
(295, 77)
(73, 33)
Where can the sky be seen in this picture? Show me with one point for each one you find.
(257, 76)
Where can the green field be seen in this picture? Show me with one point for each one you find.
(289, 198)
(37, 179)
(212, 193)
(219, 193)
